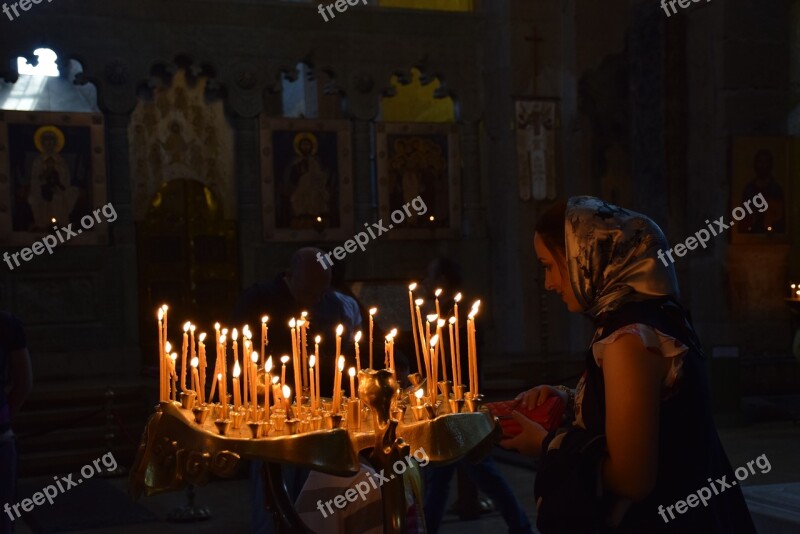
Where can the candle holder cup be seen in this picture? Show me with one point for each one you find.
(354, 415)
(187, 399)
(418, 412)
(415, 379)
(474, 403)
(200, 414)
(292, 426)
(456, 405)
(445, 387)
(255, 429)
(430, 411)
(266, 428)
(458, 390)
(237, 419)
(315, 422)
(223, 426)
(278, 421)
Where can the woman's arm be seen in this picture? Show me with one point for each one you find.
(633, 380)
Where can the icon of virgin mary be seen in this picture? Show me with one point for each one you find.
(51, 196)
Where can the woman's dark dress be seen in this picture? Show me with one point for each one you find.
(690, 451)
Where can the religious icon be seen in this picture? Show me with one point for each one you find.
(306, 169)
(419, 160)
(761, 168)
(52, 161)
(536, 141)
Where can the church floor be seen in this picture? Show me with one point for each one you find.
(230, 506)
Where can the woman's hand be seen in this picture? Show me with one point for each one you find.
(536, 396)
(529, 441)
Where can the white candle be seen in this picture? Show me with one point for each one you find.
(372, 312)
(358, 357)
(352, 373)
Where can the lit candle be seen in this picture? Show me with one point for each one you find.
(276, 391)
(457, 299)
(393, 333)
(436, 297)
(317, 340)
(352, 373)
(298, 388)
(422, 340)
(195, 378)
(287, 394)
(235, 337)
(386, 362)
(473, 357)
(267, 384)
(237, 401)
(435, 369)
(166, 354)
(217, 378)
(452, 350)
(284, 359)
(439, 324)
(173, 359)
(203, 363)
(311, 361)
(358, 357)
(223, 367)
(264, 341)
(162, 368)
(411, 288)
(339, 330)
(337, 387)
(418, 395)
(192, 346)
(303, 325)
(254, 383)
(184, 362)
(372, 312)
(247, 350)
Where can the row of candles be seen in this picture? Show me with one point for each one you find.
(245, 377)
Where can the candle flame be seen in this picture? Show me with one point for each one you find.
(287, 392)
(388, 337)
(341, 363)
(284, 359)
(292, 323)
(373, 311)
(265, 319)
(192, 328)
(164, 307)
(457, 298)
(222, 339)
(358, 336)
(219, 376)
(352, 371)
(440, 323)
(434, 340)
(438, 292)
(419, 302)
(303, 314)
(168, 347)
(301, 323)
(161, 312)
(202, 337)
(268, 365)
(216, 326)
(236, 370)
(339, 330)
(419, 393)
(235, 334)
(432, 318)
(473, 313)
(312, 360)
(393, 332)
(476, 304)
(275, 380)
(412, 286)
(317, 339)
(186, 326)
(452, 320)
(224, 331)
(195, 361)
(254, 357)
(173, 357)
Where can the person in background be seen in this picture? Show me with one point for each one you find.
(304, 287)
(445, 274)
(17, 380)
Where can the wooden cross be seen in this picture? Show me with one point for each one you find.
(535, 39)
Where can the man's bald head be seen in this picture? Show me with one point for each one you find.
(307, 278)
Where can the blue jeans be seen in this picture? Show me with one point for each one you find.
(488, 479)
(294, 477)
(8, 481)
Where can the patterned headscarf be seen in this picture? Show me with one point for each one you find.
(612, 256)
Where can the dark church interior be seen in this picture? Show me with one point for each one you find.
(389, 266)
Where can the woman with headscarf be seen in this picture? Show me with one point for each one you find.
(642, 438)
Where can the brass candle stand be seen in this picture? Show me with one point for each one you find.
(187, 444)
